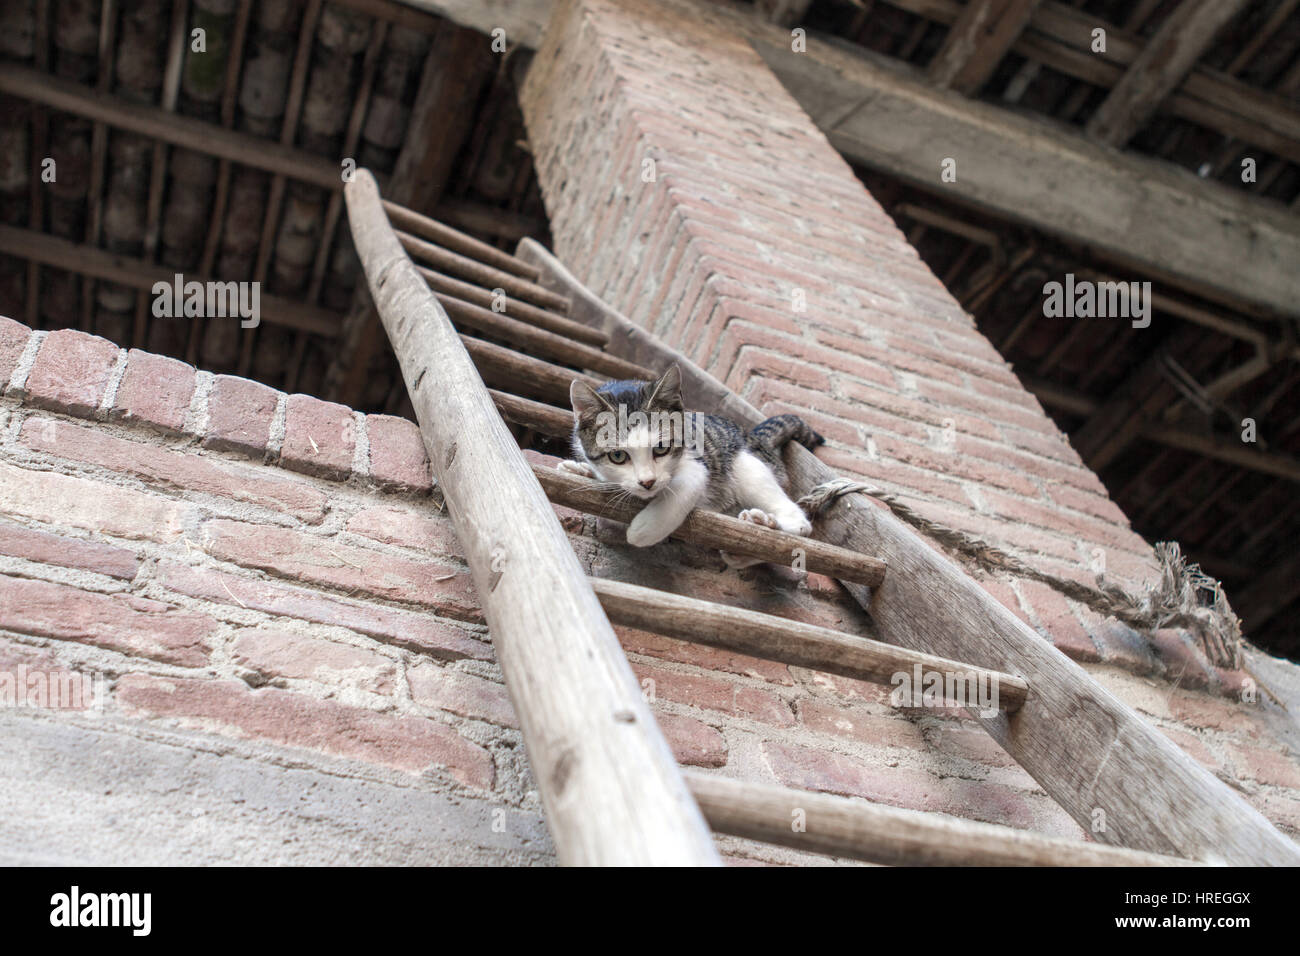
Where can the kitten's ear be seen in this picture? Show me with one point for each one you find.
(586, 401)
(668, 390)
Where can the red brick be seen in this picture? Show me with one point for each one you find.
(319, 438)
(420, 633)
(57, 686)
(154, 391)
(391, 525)
(329, 562)
(239, 416)
(129, 625)
(1059, 622)
(856, 724)
(896, 786)
(398, 461)
(701, 655)
(461, 694)
(77, 502)
(693, 743)
(169, 469)
(13, 340)
(710, 693)
(278, 653)
(71, 372)
(67, 552)
(1201, 710)
(410, 744)
(1266, 766)
(1184, 661)
(1193, 746)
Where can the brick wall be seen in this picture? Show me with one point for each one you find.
(294, 668)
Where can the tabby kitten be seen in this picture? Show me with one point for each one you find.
(639, 437)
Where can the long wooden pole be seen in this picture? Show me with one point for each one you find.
(794, 642)
(861, 830)
(610, 787)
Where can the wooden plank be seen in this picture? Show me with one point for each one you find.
(198, 135)
(708, 529)
(551, 321)
(1269, 595)
(547, 419)
(1085, 748)
(792, 642)
(539, 342)
(454, 240)
(88, 261)
(1167, 58)
(785, 13)
(489, 277)
(861, 830)
(1142, 213)
(607, 778)
(522, 373)
(977, 41)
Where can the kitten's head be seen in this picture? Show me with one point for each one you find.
(631, 432)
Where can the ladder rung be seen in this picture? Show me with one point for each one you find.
(540, 417)
(711, 530)
(523, 372)
(521, 335)
(486, 276)
(533, 315)
(862, 830)
(790, 642)
(457, 241)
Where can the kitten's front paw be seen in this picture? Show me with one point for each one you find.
(759, 517)
(738, 561)
(577, 468)
(646, 530)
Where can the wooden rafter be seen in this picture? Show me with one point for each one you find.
(1160, 67)
(977, 41)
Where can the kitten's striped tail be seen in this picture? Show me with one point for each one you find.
(771, 435)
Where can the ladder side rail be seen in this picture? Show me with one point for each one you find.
(611, 790)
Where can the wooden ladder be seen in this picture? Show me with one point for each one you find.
(611, 791)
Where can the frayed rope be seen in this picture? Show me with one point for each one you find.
(1184, 596)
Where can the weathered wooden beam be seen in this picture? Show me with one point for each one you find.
(861, 830)
(1167, 58)
(137, 274)
(775, 638)
(607, 778)
(547, 419)
(1084, 747)
(708, 529)
(536, 341)
(551, 321)
(784, 13)
(1143, 214)
(1269, 595)
(489, 277)
(507, 368)
(198, 135)
(977, 41)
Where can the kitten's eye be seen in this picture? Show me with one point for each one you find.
(617, 457)
(661, 450)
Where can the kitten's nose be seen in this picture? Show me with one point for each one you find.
(647, 483)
